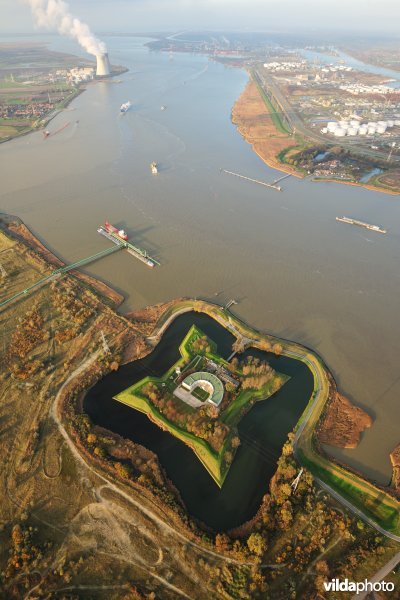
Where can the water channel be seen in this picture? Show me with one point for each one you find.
(263, 430)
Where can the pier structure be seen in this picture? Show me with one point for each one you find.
(133, 250)
(272, 185)
(60, 271)
(119, 244)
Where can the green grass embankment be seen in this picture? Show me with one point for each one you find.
(231, 415)
(375, 503)
(212, 460)
(275, 115)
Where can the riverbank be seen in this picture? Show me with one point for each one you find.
(258, 127)
(366, 186)
(375, 504)
(22, 232)
(35, 86)
(343, 423)
(16, 130)
(55, 460)
(257, 124)
(362, 493)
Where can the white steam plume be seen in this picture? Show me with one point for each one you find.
(55, 14)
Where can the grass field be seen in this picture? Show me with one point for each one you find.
(200, 394)
(275, 115)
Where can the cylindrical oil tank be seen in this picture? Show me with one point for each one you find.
(340, 132)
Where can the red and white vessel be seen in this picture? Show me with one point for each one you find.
(119, 237)
(117, 232)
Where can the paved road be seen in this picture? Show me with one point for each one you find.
(379, 575)
(308, 414)
(297, 123)
(325, 486)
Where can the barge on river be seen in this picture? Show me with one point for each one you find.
(351, 221)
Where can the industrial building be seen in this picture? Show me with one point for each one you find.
(103, 66)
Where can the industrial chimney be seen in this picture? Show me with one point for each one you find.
(103, 65)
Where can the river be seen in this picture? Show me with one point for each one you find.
(293, 269)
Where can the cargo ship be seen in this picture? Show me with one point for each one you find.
(119, 237)
(114, 231)
(125, 107)
(361, 224)
(154, 168)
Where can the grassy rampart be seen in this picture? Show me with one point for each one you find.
(375, 503)
(214, 461)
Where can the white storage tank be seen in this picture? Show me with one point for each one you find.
(371, 130)
(354, 123)
(397, 123)
(324, 130)
(331, 124)
(390, 123)
(381, 129)
(363, 131)
(352, 131)
(340, 132)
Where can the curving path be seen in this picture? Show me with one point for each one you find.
(54, 412)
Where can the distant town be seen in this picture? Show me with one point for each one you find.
(35, 84)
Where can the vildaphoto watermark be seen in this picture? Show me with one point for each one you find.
(338, 585)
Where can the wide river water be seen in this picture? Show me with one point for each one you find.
(294, 270)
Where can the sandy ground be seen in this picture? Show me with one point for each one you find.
(255, 124)
(343, 423)
(395, 460)
(93, 535)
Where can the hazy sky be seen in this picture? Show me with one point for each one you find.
(151, 15)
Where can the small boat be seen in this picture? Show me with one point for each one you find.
(154, 168)
(163, 107)
(125, 107)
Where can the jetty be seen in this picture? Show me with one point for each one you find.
(272, 185)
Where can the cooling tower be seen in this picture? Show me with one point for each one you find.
(103, 65)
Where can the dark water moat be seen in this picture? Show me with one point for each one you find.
(262, 431)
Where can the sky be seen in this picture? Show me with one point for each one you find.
(251, 15)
